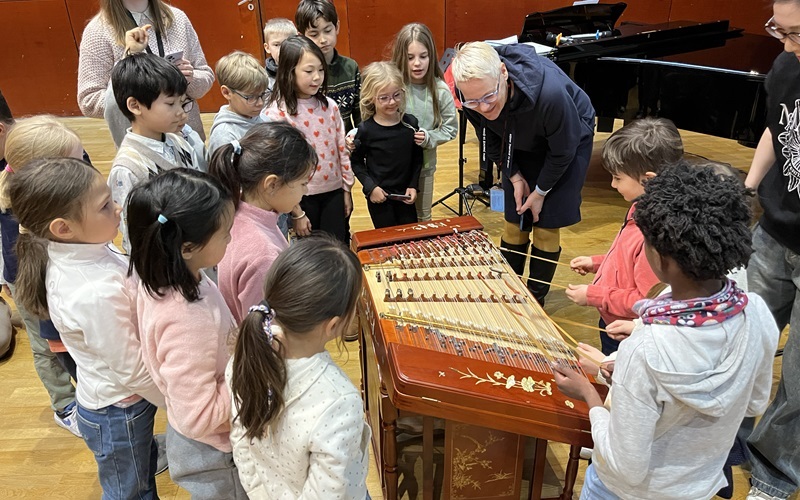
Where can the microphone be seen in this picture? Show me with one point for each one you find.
(558, 39)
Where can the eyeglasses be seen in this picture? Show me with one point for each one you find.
(253, 98)
(187, 105)
(384, 99)
(489, 98)
(778, 33)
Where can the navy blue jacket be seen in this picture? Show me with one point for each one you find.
(545, 120)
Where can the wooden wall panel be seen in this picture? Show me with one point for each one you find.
(223, 26)
(750, 15)
(39, 58)
(287, 8)
(32, 28)
(80, 12)
(373, 24)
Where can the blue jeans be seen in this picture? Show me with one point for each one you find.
(124, 449)
(774, 274)
(594, 489)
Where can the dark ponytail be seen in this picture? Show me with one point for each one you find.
(274, 148)
(316, 279)
(176, 207)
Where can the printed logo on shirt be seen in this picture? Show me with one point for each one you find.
(790, 140)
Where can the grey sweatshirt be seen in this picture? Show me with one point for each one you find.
(419, 103)
(228, 126)
(679, 396)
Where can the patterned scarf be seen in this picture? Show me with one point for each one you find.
(725, 304)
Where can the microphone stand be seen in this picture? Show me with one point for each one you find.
(465, 194)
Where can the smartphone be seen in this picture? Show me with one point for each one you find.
(399, 197)
(174, 57)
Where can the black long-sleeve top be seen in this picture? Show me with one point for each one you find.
(387, 156)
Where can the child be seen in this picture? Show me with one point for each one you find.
(30, 139)
(276, 30)
(632, 154)
(244, 85)
(317, 20)
(429, 99)
(701, 361)
(150, 92)
(70, 218)
(103, 46)
(180, 223)
(297, 422)
(297, 99)
(386, 159)
(267, 173)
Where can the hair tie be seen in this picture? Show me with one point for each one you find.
(266, 325)
(162, 219)
(237, 149)
(263, 308)
(8, 169)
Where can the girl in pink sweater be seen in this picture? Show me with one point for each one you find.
(297, 98)
(267, 173)
(179, 224)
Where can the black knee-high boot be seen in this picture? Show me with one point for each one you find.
(515, 260)
(542, 271)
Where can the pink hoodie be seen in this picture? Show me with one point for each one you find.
(623, 275)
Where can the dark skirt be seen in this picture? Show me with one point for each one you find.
(562, 205)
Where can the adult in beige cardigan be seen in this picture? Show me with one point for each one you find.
(102, 46)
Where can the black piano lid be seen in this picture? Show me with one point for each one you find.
(749, 55)
(650, 40)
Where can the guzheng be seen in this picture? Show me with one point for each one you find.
(449, 331)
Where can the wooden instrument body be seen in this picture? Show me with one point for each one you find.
(411, 368)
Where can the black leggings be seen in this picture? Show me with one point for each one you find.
(391, 213)
(325, 211)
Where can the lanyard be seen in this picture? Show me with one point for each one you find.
(159, 42)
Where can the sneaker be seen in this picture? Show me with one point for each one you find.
(756, 494)
(68, 419)
(586, 453)
(161, 462)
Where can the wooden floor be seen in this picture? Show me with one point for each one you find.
(40, 460)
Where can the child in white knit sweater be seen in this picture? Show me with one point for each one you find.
(297, 425)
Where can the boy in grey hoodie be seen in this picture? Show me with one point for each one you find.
(700, 361)
(244, 85)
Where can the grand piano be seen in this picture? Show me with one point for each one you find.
(706, 77)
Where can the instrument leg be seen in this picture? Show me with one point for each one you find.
(539, 462)
(389, 429)
(427, 458)
(572, 472)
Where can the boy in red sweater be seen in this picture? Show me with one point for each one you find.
(632, 154)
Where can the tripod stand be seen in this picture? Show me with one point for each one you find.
(467, 196)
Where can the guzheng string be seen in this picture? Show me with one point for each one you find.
(467, 269)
